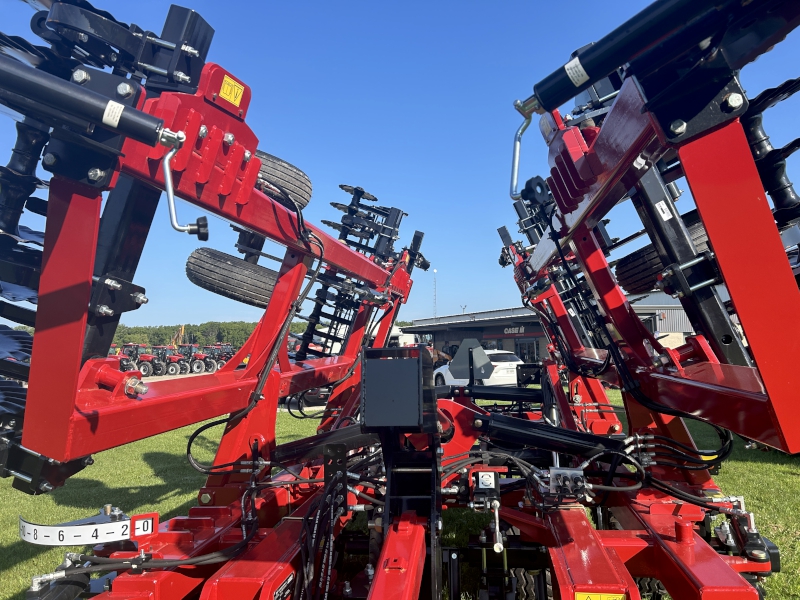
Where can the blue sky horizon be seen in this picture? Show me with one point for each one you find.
(412, 102)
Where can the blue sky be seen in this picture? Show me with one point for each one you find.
(413, 102)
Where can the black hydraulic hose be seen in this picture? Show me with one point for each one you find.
(78, 102)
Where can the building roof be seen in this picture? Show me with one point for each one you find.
(642, 303)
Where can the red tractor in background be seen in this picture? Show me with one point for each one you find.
(175, 362)
(219, 353)
(198, 361)
(135, 358)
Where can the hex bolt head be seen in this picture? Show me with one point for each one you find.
(205, 498)
(140, 298)
(113, 284)
(454, 556)
(83, 37)
(228, 139)
(80, 76)
(477, 423)
(181, 77)
(678, 127)
(49, 159)
(203, 132)
(103, 311)
(134, 387)
(732, 102)
(112, 57)
(616, 427)
(45, 487)
(95, 174)
(125, 89)
(247, 155)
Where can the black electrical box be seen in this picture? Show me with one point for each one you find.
(397, 389)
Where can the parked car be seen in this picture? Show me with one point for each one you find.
(505, 371)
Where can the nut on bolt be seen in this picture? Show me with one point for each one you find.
(125, 89)
(477, 423)
(95, 174)
(203, 132)
(228, 139)
(732, 102)
(103, 311)
(205, 498)
(113, 284)
(80, 76)
(49, 159)
(140, 298)
(678, 127)
(135, 387)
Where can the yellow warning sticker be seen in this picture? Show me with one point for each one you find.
(613, 596)
(588, 596)
(232, 91)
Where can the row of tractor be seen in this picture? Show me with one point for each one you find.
(180, 359)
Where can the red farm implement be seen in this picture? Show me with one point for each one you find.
(580, 503)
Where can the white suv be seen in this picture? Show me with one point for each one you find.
(505, 371)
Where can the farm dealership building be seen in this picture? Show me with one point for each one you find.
(518, 330)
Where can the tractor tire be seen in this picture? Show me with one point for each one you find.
(283, 182)
(220, 364)
(231, 277)
(637, 273)
(197, 366)
(146, 369)
(159, 368)
(173, 369)
(211, 365)
(183, 367)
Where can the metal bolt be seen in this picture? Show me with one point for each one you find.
(228, 139)
(203, 132)
(104, 311)
(181, 77)
(113, 284)
(616, 427)
(247, 156)
(106, 510)
(95, 174)
(477, 423)
(135, 387)
(205, 498)
(678, 127)
(49, 159)
(454, 556)
(140, 298)
(125, 89)
(80, 76)
(112, 57)
(759, 554)
(347, 589)
(732, 102)
(46, 487)
(88, 461)
(83, 37)
(370, 571)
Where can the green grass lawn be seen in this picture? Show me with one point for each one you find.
(153, 475)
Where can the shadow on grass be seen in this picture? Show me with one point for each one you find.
(89, 494)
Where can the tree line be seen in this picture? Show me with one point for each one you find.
(204, 334)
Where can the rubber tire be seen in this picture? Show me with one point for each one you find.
(440, 380)
(220, 364)
(183, 367)
(173, 369)
(211, 365)
(197, 366)
(637, 273)
(277, 176)
(159, 368)
(146, 369)
(231, 277)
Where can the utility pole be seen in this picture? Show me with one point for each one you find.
(434, 294)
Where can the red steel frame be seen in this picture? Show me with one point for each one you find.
(657, 536)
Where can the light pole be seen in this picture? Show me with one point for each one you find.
(434, 294)
(463, 308)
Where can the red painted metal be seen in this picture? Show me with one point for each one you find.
(399, 571)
